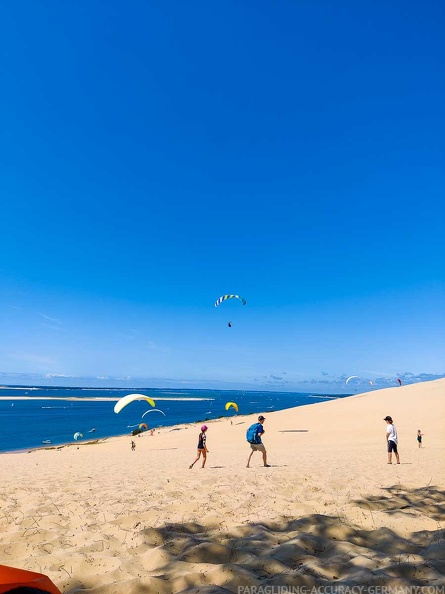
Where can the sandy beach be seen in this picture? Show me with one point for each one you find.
(98, 517)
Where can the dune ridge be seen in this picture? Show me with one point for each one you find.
(97, 517)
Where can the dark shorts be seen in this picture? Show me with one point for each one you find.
(392, 446)
(419, 439)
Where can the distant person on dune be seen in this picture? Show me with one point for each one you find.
(392, 439)
(419, 437)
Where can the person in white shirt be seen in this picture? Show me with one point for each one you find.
(392, 439)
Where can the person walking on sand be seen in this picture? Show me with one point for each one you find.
(392, 439)
(202, 447)
(419, 437)
(133, 446)
(253, 436)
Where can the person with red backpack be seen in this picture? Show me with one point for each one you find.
(253, 436)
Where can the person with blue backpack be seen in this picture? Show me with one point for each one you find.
(253, 436)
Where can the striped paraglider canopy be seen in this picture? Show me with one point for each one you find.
(225, 297)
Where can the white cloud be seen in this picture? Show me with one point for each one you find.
(34, 358)
(54, 320)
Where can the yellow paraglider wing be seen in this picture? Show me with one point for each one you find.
(232, 404)
(122, 402)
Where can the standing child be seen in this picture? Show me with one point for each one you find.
(202, 447)
(133, 446)
(419, 437)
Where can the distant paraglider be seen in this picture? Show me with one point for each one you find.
(352, 377)
(77, 435)
(153, 410)
(125, 400)
(231, 405)
(225, 297)
(143, 426)
(400, 381)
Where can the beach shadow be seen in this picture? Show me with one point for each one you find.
(311, 551)
(269, 466)
(428, 501)
(294, 431)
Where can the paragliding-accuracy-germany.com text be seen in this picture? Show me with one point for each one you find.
(339, 589)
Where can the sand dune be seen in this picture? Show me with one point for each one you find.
(97, 517)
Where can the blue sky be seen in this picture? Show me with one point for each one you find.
(156, 155)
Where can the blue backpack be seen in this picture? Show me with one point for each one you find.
(252, 435)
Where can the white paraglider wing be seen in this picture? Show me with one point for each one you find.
(153, 410)
(352, 377)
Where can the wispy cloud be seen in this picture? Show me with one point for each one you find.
(153, 346)
(34, 358)
(271, 379)
(49, 318)
(51, 327)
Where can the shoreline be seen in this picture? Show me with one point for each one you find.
(97, 398)
(84, 442)
(202, 419)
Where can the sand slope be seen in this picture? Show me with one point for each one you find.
(100, 518)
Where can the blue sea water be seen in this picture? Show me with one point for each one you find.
(33, 417)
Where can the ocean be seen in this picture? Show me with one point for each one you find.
(39, 416)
